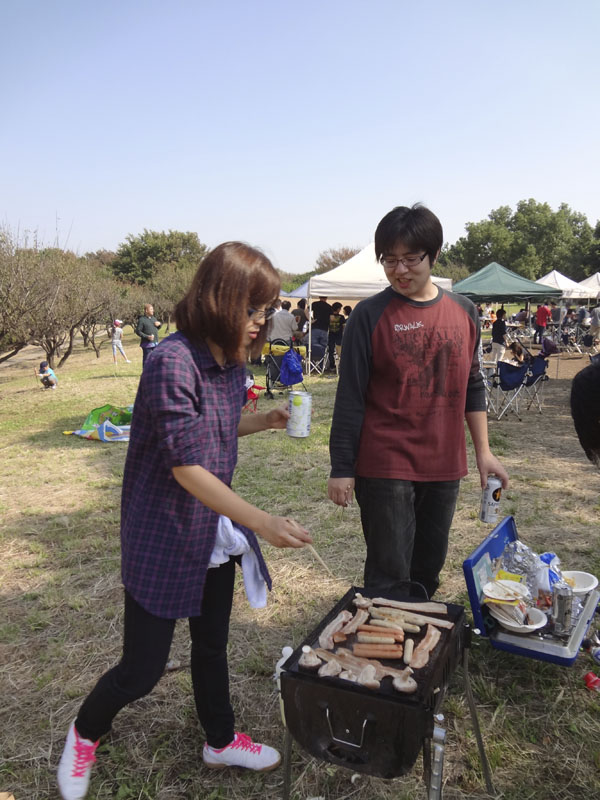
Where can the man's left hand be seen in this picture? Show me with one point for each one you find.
(487, 465)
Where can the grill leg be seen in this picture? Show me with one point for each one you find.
(287, 765)
(435, 784)
(475, 721)
(427, 762)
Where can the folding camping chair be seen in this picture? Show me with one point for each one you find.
(535, 380)
(317, 358)
(513, 383)
(273, 359)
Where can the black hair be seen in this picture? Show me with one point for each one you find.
(302, 303)
(417, 228)
(286, 305)
(585, 410)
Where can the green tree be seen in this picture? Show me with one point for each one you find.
(533, 240)
(141, 258)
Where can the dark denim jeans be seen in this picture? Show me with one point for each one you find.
(406, 526)
(146, 645)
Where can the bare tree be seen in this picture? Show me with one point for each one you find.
(329, 259)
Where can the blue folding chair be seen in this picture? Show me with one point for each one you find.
(515, 382)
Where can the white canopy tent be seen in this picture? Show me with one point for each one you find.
(360, 276)
(592, 284)
(570, 289)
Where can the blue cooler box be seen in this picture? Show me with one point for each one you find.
(480, 567)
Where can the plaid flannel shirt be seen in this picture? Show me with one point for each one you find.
(186, 412)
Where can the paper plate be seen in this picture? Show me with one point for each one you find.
(505, 590)
(583, 582)
(537, 617)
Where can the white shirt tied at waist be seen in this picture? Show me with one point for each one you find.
(231, 541)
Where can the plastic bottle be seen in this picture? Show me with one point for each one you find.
(592, 681)
(285, 654)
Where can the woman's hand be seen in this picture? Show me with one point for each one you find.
(283, 532)
(277, 417)
(340, 490)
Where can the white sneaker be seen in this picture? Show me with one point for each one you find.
(75, 766)
(242, 752)
(127, 361)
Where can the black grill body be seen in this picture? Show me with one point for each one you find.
(378, 733)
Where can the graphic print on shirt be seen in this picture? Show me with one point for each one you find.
(430, 359)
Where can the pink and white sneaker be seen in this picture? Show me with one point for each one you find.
(75, 765)
(242, 752)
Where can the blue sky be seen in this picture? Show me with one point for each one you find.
(293, 126)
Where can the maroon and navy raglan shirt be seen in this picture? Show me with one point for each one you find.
(409, 371)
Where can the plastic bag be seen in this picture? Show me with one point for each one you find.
(290, 372)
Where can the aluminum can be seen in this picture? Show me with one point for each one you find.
(562, 609)
(490, 500)
(299, 406)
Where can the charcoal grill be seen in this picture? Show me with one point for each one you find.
(378, 733)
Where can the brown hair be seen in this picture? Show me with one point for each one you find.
(230, 279)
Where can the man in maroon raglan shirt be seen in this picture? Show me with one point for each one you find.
(409, 377)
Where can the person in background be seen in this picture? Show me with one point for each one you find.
(282, 324)
(47, 376)
(514, 354)
(595, 322)
(555, 312)
(582, 314)
(410, 375)
(321, 311)
(117, 341)
(147, 329)
(347, 311)
(336, 331)
(520, 316)
(179, 513)
(585, 410)
(301, 318)
(499, 336)
(542, 316)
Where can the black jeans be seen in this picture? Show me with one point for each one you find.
(406, 526)
(145, 353)
(146, 644)
(540, 332)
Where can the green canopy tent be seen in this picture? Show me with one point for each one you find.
(497, 284)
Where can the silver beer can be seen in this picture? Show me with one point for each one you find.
(490, 500)
(562, 608)
(300, 408)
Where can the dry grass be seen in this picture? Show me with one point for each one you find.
(60, 621)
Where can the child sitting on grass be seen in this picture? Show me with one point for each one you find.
(47, 376)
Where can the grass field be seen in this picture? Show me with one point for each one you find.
(60, 621)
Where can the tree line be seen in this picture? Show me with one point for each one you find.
(49, 295)
(531, 241)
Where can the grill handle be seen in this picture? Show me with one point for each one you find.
(345, 742)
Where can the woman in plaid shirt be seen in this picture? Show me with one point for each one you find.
(180, 462)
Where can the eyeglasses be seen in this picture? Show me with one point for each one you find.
(257, 315)
(391, 262)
